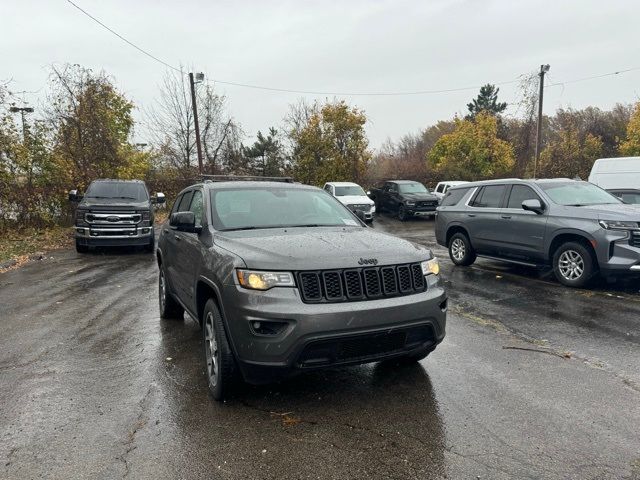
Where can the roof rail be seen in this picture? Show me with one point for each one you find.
(244, 178)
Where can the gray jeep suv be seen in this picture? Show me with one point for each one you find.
(283, 278)
(576, 227)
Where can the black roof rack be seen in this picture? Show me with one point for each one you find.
(244, 178)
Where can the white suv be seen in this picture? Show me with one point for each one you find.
(353, 197)
(443, 187)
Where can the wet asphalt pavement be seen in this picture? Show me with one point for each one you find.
(533, 380)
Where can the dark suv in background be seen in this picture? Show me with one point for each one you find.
(284, 278)
(114, 213)
(576, 227)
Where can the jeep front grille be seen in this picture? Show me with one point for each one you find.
(360, 283)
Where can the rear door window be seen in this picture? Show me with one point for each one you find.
(489, 197)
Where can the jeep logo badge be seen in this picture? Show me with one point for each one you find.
(368, 261)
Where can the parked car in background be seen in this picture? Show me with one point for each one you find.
(353, 197)
(405, 198)
(618, 174)
(627, 195)
(443, 187)
(574, 226)
(115, 213)
(284, 279)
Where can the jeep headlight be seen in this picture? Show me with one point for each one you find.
(410, 203)
(618, 225)
(430, 267)
(257, 280)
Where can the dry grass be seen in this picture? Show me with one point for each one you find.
(19, 245)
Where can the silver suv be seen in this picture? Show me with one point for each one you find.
(576, 227)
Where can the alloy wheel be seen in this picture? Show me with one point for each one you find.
(163, 291)
(211, 349)
(458, 249)
(571, 265)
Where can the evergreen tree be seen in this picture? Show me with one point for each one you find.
(486, 101)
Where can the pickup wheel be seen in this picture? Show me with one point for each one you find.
(221, 366)
(573, 264)
(151, 246)
(460, 250)
(169, 307)
(402, 214)
(81, 248)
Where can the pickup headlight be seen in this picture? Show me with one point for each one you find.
(409, 203)
(256, 280)
(618, 225)
(430, 267)
(372, 209)
(80, 217)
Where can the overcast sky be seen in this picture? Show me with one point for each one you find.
(335, 46)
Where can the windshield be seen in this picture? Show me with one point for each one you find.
(121, 190)
(412, 188)
(350, 190)
(268, 207)
(578, 194)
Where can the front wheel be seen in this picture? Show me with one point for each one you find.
(460, 250)
(221, 366)
(402, 213)
(81, 248)
(573, 264)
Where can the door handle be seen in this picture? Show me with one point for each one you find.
(506, 217)
(471, 214)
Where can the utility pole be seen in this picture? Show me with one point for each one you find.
(192, 83)
(543, 69)
(22, 111)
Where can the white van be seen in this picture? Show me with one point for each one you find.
(619, 176)
(616, 173)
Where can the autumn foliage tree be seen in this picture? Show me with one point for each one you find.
(329, 143)
(472, 151)
(631, 146)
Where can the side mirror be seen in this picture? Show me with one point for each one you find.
(74, 196)
(159, 198)
(533, 205)
(184, 222)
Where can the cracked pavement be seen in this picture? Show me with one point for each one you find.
(94, 385)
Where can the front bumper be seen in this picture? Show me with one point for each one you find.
(421, 211)
(329, 334)
(107, 237)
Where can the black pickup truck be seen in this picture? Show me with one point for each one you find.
(114, 213)
(406, 198)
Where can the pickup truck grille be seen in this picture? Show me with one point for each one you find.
(428, 203)
(356, 284)
(112, 218)
(355, 207)
(634, 241)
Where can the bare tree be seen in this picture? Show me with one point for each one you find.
(172, 129)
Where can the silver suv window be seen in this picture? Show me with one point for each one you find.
(520, 193)
(489, 196)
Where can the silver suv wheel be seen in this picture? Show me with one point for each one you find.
(211, 349)
(458, 249)
(571, 265)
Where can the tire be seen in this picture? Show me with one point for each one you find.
(169, 307)
(573, 264)
(151, 246)
(402, 214)
(460, 250)
(221, 366)
(81, 248)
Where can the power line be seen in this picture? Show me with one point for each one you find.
(346, 94)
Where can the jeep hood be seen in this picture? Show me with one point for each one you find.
(318, 248)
